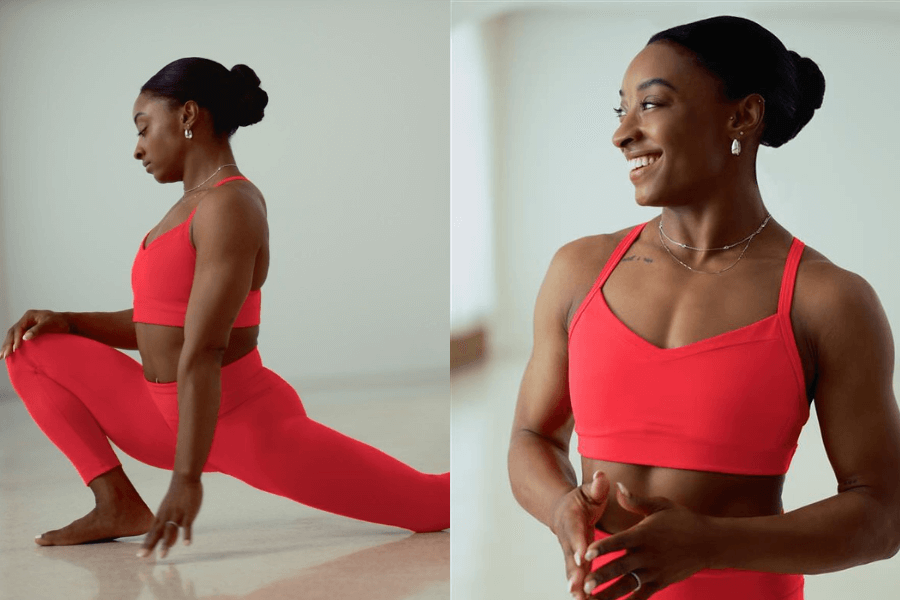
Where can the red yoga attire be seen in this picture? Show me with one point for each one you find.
(733, 403)
(84, 394)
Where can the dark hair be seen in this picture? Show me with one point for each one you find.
(749, 59)
(234, 97)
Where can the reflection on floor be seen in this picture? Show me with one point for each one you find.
(247, 544)
(500, 551)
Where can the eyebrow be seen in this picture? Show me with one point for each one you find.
(138, 115)
(649, 82)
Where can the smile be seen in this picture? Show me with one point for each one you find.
(642, 161)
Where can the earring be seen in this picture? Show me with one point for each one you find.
(736, 145)
(188, 133)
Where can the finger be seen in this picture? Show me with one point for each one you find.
(597, 489)
(623, 587)
(169, 537)
(641, 505)
(618, 541)
(17, 337)
(187, 534)
(611, 570)
(152, 538)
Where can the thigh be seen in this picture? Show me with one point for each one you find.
(110, 384)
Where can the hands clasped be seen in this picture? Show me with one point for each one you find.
(178, 510)
(668, 545)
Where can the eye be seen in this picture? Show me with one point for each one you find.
(620, 112)
(141, 132)
(648, 104)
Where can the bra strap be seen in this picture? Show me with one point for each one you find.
(790, 276)
(618, 253)
(232, 178)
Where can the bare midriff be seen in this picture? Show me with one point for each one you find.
(160, 348)
(712, 494)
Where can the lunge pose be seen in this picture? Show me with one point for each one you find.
(200, 399)
(685, 353)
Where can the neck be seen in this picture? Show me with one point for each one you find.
(718, 221)
(199, 165)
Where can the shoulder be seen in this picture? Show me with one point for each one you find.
(233, 210)
(584, 254)
(835, 303)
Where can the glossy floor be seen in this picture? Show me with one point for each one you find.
(247, 544)
(500, 551)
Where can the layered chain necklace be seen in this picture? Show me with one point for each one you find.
(186, 192)
(746, 241)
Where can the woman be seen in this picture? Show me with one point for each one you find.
(687, 367)
(200, 400)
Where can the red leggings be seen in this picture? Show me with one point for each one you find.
(717, 584)
(83, 394)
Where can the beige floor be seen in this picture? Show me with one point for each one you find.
(500, 551)
(248, 545)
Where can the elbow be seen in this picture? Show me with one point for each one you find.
(201, 358)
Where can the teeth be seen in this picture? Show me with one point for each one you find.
(642, 161)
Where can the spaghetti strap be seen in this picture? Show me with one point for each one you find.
(618, 253)
(611, 263)
(233, 178)
(786, 294)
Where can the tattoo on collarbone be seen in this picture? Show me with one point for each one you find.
(635, 257)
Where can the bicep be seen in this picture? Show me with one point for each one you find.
(227, 241)
(854, 396)
(543, 406)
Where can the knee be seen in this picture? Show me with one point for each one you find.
(32, 354)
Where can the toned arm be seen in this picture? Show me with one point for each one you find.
(860, 426)
(114, 329)
(228, 231)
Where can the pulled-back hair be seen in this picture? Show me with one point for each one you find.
(233, 98)
(747, 58)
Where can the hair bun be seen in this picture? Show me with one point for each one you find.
(810, 88)
(249, 99)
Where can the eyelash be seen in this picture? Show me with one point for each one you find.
(620, 112)
(141, 132)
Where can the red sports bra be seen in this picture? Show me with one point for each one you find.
(732, 403)
(163, 273)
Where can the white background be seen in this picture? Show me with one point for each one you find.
(352, 157)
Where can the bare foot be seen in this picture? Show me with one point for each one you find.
(101, 525)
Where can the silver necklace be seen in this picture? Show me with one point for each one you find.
(690, 268)
(728, 247)
(186, 192)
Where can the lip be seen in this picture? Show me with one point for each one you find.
(147, 166)
(635, 175)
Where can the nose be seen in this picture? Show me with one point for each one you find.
(626, 132)
(138, 151)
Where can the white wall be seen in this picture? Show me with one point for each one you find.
(352, 156)
(557, 75)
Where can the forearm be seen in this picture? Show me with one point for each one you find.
(540, 474)
(199, 395)
(114, 329)
(849, 529)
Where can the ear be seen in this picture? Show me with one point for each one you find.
(746, 118)
(190, 114)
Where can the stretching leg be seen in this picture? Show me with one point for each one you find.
(81, 394)
(270, 443)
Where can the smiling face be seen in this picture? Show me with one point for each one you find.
(161, 142)
(673, 127)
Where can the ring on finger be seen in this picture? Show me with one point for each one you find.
(638, 579)
(173, 523)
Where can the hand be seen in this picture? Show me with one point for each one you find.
(573, 523)
(670, 544)
(178, 510)
(32, 323)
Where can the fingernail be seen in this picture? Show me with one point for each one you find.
(187, 542)
(163, 552)
(143, 553)
(571, 588)
(27, 336)
(37, 537)
(594, 476)
(577, 559)
(590, 554)
(624, 489)
(588, 586)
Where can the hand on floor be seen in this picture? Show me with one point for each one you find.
(178, 510)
